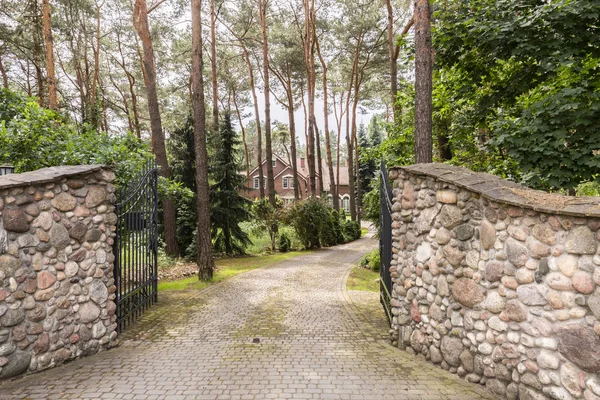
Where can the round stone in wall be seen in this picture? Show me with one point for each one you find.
(96, 196)
(89, 312)
(450, 216)
(99, 292)
(64, 202)
(15, 220)
(18, 362)
(516, 252)
(467, 292)
(78, 231)
(580, 345)
(45, 279)
(424, 252)
(12, 317)
(451, 348)
(581, 240)
(59, 236)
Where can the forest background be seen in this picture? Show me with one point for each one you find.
(515, 92)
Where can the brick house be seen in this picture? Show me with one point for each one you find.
(284, 181)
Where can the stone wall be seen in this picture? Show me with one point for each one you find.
(497, 283)
(57, 292)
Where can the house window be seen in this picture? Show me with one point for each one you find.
(288, 182)
(302, 162)
(257, 180)
(274, 163)
(346, 204)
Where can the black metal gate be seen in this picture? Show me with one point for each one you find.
(136, 262)
(385, 241)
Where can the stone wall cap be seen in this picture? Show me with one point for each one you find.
(46, 175)
(507, 192)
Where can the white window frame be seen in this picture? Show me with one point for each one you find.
(287, 181)
(346, 202)
(274, 163)
(256, 179)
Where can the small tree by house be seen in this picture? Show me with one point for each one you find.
(228, 207)
(267, 217)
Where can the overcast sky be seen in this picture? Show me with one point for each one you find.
(278, 113)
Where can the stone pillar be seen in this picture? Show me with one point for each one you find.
(57, 294)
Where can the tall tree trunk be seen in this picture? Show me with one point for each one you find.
(349, 138)
(205, 260)
(444, 146)
(292, 126)
(319, 160)
(40, 84)
(338, 120)
(354, 140)
(358, 179)
(140, 22)
(213, 68)
(267, 90)
(3, 73)
(259, 159)
(86, 73)
(37, 52)
(49, 42)
(27, 74)
(96, 50)
(305, 112)
(423, 82)
(125, 108)
(309, 59)
(332, 181)
(131, 80)
(391, 48)
(239, 115)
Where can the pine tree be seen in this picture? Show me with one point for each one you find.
(366, 167)
(183, 166)
(228, 207)
(374, 132)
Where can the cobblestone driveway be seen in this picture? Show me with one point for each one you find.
(313, 343)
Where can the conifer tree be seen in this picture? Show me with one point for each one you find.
(367, 166)
(228, 207)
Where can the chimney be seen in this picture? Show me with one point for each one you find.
(302, 162)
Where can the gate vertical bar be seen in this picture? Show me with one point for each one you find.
(385, 241)
(154, 231)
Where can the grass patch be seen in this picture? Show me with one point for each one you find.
(261, 242)
(363, 279)
(228, 267)
(363, 231)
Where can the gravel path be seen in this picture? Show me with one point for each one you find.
(289, 331)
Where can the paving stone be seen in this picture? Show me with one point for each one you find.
(315, 340)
